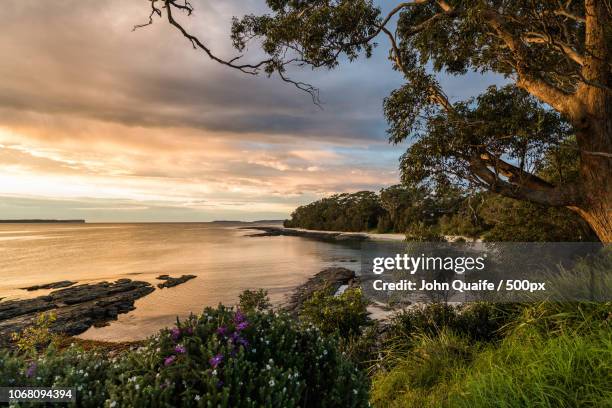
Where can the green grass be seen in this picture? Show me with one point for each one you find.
(563, 371)
(550, 355)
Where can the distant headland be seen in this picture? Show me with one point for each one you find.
(41, 221)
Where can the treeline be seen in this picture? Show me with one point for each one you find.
(424, 214)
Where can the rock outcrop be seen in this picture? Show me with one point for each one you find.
(52, 285)
(330, 278)
(320, 235)
(170, 282)
(76, 308)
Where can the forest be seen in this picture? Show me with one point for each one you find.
(426, 214)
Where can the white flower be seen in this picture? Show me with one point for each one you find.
(137, 386)
(324, 352)
(354, 391)
(113, 404)
(214, 372)
(197, 397)
(268, 366)
(271, 383)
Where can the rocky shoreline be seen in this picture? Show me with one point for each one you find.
(52, 285)
(320, 235)
(77, 308)
(329, 278)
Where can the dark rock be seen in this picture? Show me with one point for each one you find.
(170, 282)
(318, 235)
(76, 308)
(329, 278)
(53, 285)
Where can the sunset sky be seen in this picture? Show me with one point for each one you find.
(106, 124)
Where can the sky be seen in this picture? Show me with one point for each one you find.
(107, 124)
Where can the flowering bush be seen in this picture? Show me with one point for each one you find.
(221, 358)
(226, 358)
(85, 371)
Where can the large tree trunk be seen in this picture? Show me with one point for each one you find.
(596, 170)
(593, 122)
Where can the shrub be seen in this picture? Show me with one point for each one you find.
(344, 315)
(254, 300)
(421, 232)
(476, 322)
(87, 372)
(37, 336)
(228, 359)
(223, 358)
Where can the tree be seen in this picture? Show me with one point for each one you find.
(556, 53)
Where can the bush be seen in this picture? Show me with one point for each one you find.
(421, 232)
(229, 359)
(478, 321)
(344, 315)
(86, 371)
(223, 358)
(254, 301)
(38, 336)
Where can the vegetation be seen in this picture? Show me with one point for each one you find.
(476, 355)
(254, 301)
(344, 315)
(424, 214)
(37, 336)
(546, 354)
(220, 358)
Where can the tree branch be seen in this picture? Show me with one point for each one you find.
(515, 175)
(247, 68)
(560, 100)
(538, 38)
(552, 196)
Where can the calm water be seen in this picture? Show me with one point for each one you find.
(223, 258)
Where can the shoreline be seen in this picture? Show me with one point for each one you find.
(269, 231)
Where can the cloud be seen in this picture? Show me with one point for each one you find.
(90, 110)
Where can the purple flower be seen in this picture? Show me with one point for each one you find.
(216, 360)
(31, 371)
(222, 330)
(169, 360)
(242, 325)
(189, 330)
(242, 341)
(175, 333)
(180, 349)
(219, 384)
(239, 317)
